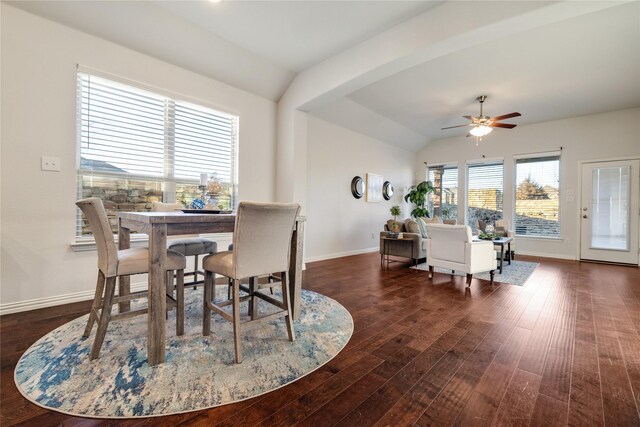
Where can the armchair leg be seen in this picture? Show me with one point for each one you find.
(491, 274)
(431, 272)
(469, 276)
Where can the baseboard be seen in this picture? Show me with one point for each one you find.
(34, 304)
(546, 255)
(342, 254)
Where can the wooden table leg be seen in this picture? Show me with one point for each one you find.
(295, 268)
(124, 287)
(156, 323)
(509, 251)
(501, 256)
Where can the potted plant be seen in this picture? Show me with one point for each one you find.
(418, 196)
(395, 211)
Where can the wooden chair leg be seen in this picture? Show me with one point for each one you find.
(469, 276)
(105, 316)
(431, 272)
(229, 289)
(180, 301)
(168, 289)
(491, 274)
(253, 301)
(195, 270)
(236, 320)
(287, 304)
(97, 301)
(206, 313)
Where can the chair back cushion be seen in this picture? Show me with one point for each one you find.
(166, 207)
(94, 211)
(411, 226)
(448, 242)
(262, 238)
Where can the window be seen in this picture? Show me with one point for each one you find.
(484, 193)
(443, 202)
(537, 196)
(136, 147)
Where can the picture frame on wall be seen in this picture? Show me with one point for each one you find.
(374, 187)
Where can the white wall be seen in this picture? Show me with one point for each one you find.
(38, 214)
(599, 136)
(337, 223)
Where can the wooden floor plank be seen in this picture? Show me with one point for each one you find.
(519, 400)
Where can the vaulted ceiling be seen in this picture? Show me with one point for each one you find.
(575, 65)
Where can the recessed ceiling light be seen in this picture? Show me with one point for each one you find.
(215, 1)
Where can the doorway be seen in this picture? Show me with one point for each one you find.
(609, 211)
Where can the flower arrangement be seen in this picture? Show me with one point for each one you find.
(214, 188)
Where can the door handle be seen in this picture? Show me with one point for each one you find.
(584, 216)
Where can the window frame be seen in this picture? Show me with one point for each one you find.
(83, 243)
(444, 166)
(479, 162)
(543, 154)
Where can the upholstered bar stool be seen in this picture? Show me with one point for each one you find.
(113, 263)
(191, 246)
(261, 246)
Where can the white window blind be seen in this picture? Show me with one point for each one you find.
(538, 196)
(136, 146)
(484, 192)
(443, 202)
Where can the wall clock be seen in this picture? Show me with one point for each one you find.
(357, 187)
(387, 190)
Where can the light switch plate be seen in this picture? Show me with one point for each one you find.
(50, 164)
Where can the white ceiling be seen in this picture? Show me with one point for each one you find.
(296, 34)
(584, 65)
(581, 65)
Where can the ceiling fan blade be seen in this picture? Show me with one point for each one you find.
(502, 125)
(459, 126)
(506, 116)
(469, 117)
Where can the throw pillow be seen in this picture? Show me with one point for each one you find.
(501, 231)
(423, 228)
(411, 226)
(435, 220)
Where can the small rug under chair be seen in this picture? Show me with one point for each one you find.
(200, 372)
(516, 274)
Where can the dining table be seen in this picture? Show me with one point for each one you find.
(159, 225)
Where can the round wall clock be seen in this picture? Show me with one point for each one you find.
(357, 187)
(387, 190)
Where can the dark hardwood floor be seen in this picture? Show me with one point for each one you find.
(563, 349)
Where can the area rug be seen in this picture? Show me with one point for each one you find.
(516, 274)
(200, 372)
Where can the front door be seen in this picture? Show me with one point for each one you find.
(609, 211)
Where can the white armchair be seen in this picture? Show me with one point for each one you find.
(451, 247)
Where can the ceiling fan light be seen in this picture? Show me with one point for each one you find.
(480, 130)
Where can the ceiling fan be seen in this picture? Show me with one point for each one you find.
(482, 125)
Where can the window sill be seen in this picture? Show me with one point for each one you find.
(542, 238)
(88, 244)
(142, 240)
